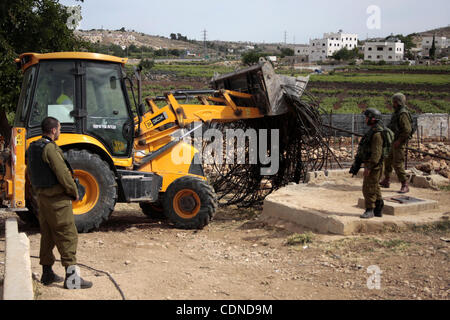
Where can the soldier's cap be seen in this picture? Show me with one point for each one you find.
(400, 98)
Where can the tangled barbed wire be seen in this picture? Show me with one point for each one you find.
(303, 147)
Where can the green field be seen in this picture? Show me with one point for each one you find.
(191, 70)
(428, 79)
(427, 99)
(355, 101)
(395, 68)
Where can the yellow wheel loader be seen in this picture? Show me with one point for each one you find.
(120, 151)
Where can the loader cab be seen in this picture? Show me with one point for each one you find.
(85, 92)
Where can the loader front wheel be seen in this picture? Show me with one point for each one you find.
(101, 189)
(190, 203)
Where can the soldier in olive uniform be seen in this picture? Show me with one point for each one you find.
(370, 152)
(401, 126)
(55, 188)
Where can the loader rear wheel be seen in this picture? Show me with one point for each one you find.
(190, 203)
(101, 189)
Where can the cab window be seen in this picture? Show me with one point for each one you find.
(55, 93)
(106, 106)
(25, 96)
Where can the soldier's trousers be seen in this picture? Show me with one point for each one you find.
(371, 188)
(396, 161)
(57, 229)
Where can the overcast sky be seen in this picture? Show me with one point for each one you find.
(264, 20)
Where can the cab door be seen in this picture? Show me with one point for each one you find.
(109, 117)
(53, 95)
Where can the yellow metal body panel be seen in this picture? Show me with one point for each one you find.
(173, 164)
(17, 168)
(34, 58)
(69, 138)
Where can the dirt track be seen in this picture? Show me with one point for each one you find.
(238, 257)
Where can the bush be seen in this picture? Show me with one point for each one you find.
(147, 64)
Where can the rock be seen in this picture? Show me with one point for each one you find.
(127, 262)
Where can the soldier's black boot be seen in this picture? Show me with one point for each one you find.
(386, 183)
(49, 277)
(73, 279)
(378, 211)
(368, 214)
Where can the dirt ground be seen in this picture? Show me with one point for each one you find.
(238, 257)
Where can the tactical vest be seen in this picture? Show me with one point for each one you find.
(41, 175)
(393, 125)
(364, 148)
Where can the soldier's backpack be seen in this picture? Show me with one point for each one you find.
(388, 140)
(413, 125)
(412, 121)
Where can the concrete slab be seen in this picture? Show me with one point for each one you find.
(393, 208)
(331, 206)
(18, 282)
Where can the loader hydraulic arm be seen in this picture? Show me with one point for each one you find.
(217, 105)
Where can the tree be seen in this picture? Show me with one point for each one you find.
(345, 54)
(433, 48)
(29, 26)
(147, 64)
(252, 57)
(287, 52)
(173, 36)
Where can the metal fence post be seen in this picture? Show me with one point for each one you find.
(353, 130)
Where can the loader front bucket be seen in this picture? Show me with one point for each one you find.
(266, 87)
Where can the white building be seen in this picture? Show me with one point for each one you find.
(440, 43)
(302, 50)
(321, 49)
(384, 51)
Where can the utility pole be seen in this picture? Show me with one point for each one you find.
(205, 48)
(285, 37)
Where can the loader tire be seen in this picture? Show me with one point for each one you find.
(153, 210)
(190, 203)
(101, 189)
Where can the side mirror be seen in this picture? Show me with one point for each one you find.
(141, 109)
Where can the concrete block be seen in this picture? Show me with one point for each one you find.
(398, 209)
(337, 173)
(18, 282)
(421, 181)
(331, 207)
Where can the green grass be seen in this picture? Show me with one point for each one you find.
(441, 227)
(429, 79)
(300, 239)
(349, 105)
(443, 105)
(328, 103)
(395, 68)
(424, 106)
(395, 244)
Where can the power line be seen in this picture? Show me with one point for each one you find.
(205, 47)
